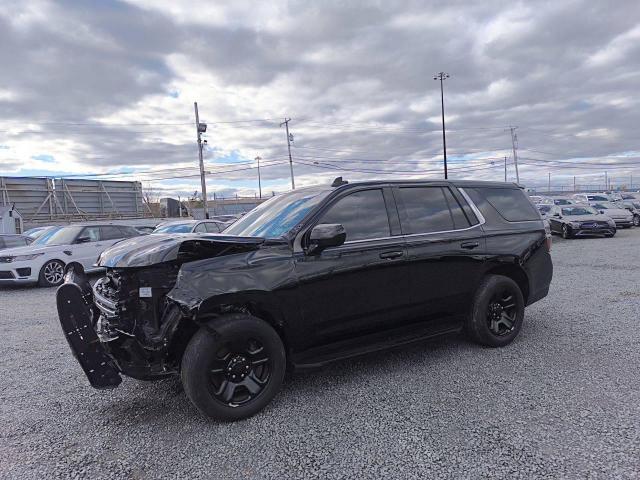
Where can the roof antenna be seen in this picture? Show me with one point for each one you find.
(339, 182)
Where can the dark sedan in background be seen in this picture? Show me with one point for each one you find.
(579, 221)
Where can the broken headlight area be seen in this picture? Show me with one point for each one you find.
(135, 320)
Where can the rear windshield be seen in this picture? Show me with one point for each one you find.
(511, 203)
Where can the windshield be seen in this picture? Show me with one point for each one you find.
(597, 198)
(562, 201)
(174, 228)
(578, 211)
(276, 216)
(544, 208)
(628, 196)
(59, 236)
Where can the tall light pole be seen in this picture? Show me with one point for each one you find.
(289, 138)
(259, 179)
(443, 76)
(201, 128)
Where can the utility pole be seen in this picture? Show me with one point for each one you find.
(201, 128)
(549, 184)
(289, 136)
(505, 169)
(574, 183)
(443, 76)
(259, 180)
(514, 144)
(606, 180)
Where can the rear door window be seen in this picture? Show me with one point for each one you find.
(11, 242)
(511, 203)
(362, 214)
(111, 233)
(212, 227)
(430, 209)
(200, 228)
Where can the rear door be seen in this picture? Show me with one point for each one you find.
(445, 245)
(359, 287)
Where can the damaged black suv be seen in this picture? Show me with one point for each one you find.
(308, 277)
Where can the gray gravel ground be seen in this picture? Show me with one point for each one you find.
(562, 401)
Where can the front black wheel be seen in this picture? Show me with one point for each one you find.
(636, 220)
(233, 367)
(497, 313)
(566, 231)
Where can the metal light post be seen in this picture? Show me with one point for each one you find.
(443, 76)
(259, 179)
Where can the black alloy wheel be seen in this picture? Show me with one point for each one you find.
(239, 371)
(636, 220)
(566, 231)
(233, 366)
(501, 313)
(497, 313)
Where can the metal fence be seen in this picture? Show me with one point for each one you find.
(44, 199)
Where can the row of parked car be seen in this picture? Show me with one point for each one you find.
(42, 254)
(586, 214)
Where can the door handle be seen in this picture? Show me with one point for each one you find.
(391, 255)
(470, 245)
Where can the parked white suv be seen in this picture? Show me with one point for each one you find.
(44, 261)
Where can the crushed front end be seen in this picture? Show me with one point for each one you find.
(132, 321)
(123, 324)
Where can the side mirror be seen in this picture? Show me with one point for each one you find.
(557, 215)
(602, 211)
(83, 240)
(326, 235)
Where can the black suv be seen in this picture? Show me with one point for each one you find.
(308, 277)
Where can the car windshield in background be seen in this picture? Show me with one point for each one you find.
(544, 208)
(578, 211)
(562, 201)
(174, 228)
(61, 236)
(276, 216)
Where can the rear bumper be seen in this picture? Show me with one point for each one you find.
(76, 313)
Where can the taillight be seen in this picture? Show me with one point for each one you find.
(548, 242)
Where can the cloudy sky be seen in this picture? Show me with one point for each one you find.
(107, 89)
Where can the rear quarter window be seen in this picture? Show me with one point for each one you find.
(511, 203)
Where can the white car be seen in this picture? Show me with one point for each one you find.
(591, 197)
(619, 214)
(44, 261)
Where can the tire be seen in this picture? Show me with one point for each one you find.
(566, 231)
(51, 274)
(486, 325)
(233, 367)
(636, 220)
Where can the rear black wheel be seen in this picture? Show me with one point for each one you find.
(233, 367)
(498, 312)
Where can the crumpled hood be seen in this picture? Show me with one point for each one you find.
(156, 248)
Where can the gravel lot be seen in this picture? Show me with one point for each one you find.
(562, 401)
